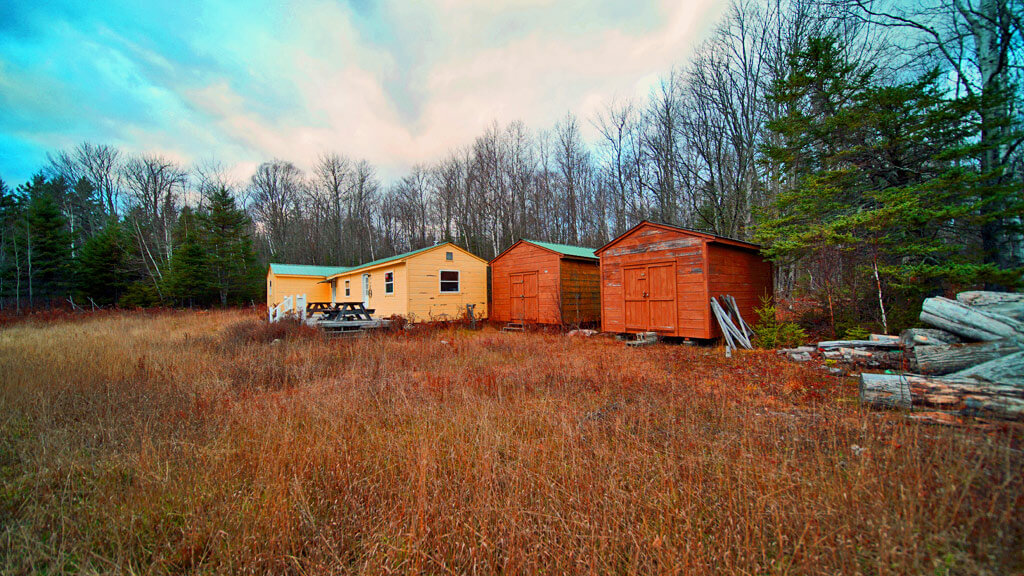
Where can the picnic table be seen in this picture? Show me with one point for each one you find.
(341, 311)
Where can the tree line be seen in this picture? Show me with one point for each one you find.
(873, 149)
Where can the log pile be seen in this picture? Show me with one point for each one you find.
(971, 360)
(880, 351)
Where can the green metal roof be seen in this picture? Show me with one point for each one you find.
(386, 260)
(305, 270)
(576, 251)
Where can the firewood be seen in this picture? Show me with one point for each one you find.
(937, 360)
(965, 395)
(1006, 303)
(969, 322)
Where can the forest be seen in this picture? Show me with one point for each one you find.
(873, 148)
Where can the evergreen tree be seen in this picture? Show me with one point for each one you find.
(11, 252)
(235, 273)
(189, 279)
(46, 240)
(104, 264)
(885, 193)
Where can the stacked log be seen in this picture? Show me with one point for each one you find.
(970, 361)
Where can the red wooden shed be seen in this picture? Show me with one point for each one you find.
(660, 278)
(536, 282)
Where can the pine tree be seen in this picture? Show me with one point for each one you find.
(47, 242)
(103, 264)
(11, 252)
(885, 190)
(189, 279)
(235, 273)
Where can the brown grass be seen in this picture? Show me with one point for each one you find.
(188, 442)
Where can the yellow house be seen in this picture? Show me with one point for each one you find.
(433, 283)
(296, 279)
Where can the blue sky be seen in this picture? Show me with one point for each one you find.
(394, 82)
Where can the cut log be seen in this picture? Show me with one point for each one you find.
(1006, 303)
(858, 344)
(968, 322)
(884, 338)
(937, 360)
(1007, 370)
(965, 395)
(913, 337)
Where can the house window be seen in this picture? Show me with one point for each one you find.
(270, 287)
(449, 256)
(389, 282)
(348, 291)
(449, 281)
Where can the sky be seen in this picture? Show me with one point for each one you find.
(394, 82)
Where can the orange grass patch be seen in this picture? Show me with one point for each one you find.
(177, 442)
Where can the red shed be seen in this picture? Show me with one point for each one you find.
(543, 283)
(660, 278)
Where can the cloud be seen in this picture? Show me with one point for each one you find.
(395, 82)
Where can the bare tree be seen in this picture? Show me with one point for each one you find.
(275, 193)
(331, 180)
(154, 187)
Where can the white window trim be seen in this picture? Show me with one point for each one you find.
(440, 291)
(392, 293)
(348, 290)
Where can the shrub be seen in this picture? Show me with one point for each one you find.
(139, 295)
(258, 331)
(856, 333)
(771, 333)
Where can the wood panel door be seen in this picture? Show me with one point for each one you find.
(523, 293)
(661, 297)
(634, 290)
(649, 297)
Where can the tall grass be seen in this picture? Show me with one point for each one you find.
(213, 443)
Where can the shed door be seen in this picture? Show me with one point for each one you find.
(650, 297)
(635, 291)
(524, 297)
(661, 299)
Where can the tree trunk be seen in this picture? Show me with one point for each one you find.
(1007, 370)
(937, 360)
(1006, 303)
(965, 321)
(924, 337)
(964, 395)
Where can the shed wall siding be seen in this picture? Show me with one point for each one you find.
(581, 291)
(526, 258)
(426, 302)
(652, 245)
(384, 305)
(742, 274)
(278, 287)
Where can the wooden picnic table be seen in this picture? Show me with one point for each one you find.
(341, 311)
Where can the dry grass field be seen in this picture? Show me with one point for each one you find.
(191, 442)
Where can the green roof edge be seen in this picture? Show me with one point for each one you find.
(566, 249)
